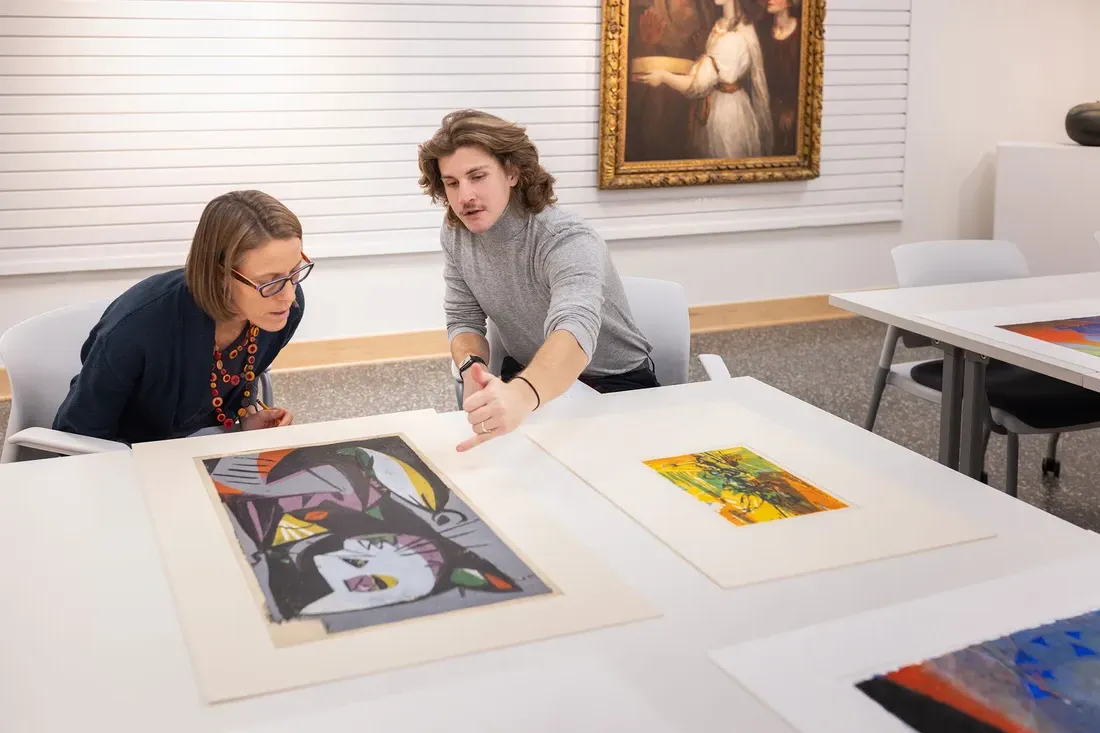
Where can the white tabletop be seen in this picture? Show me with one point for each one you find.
(91, 638)
(906, 308)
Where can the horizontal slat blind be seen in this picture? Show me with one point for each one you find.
(120, 119)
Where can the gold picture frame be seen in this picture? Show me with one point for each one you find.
(673, 159)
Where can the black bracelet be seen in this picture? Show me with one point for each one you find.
(538, 400)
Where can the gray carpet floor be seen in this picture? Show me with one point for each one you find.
(828, 364)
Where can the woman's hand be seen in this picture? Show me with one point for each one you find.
(652, 27)
(654, 78)
(257, 419)
(786, 121)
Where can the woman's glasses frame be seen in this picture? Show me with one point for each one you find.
(274, 287)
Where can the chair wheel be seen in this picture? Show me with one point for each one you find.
(1052, 467)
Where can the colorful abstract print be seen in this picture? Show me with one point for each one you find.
(1079, 334)
(362, 533)
(1039, 680)
(743, 487)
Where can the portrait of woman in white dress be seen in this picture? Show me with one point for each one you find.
(732, 116)
(697, 92)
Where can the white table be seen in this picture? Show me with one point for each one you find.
(91, 640)
(966, 353)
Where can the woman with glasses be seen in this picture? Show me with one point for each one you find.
(181, 351)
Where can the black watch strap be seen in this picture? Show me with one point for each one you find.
(470, 361)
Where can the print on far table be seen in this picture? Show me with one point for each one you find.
(743, 486)
(1044, 679)
(1079, 334)
(362, 533)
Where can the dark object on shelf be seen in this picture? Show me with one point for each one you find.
(1083, 124)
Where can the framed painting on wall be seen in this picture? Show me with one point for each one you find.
(700, 92)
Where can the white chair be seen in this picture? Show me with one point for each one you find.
(660, 309)
(920, 264)
(41, 356)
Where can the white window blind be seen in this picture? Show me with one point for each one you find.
(120, 119)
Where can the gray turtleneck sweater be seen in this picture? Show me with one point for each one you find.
(534, 274)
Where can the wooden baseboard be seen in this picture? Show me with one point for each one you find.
(433, 344)
(363, 349)
(760, 313)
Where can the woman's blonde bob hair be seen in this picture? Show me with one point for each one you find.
(230, 226)
(505, 141)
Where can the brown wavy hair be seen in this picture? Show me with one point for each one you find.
(505, 141)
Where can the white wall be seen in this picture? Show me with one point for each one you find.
(980, 72)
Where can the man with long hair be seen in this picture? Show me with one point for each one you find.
(543, 275)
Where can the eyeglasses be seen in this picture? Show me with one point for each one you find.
(274, 287)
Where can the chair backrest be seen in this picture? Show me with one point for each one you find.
(497, 352)
(660, 310)
(946, 262)
(951, 261)
(41, 356)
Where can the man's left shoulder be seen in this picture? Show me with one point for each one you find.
(559, 224)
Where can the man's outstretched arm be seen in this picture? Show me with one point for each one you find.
(574, 267)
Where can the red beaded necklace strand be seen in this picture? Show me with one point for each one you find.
(248, 374)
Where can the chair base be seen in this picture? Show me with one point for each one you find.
(914, 378)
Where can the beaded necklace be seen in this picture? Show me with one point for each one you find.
(247, 373)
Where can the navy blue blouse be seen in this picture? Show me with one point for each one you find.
(147, 364)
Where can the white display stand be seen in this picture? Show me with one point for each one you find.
(808, 676)
(1046, 204)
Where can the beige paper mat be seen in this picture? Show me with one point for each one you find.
(237, 651)
(881, 519)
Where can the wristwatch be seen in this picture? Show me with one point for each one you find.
(470, 361)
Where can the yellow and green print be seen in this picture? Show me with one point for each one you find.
(744, 487)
